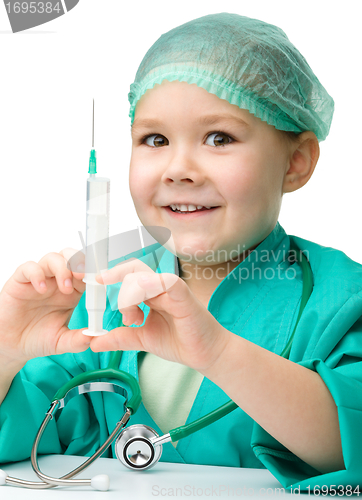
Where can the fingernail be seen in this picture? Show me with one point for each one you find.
(104, 275)
(81, 268)
(43, 284)
(68, 283)
(124, 318)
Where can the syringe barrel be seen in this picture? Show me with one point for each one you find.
(96, 258)
(96, 255)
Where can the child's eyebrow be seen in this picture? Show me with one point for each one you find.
(202, 120)
(213, 119)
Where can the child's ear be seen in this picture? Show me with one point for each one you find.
(303, 158)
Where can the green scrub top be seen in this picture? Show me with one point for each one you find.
(259, 300)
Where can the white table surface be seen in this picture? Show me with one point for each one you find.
(164, 481)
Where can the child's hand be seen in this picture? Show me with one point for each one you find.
(34, 319)
(178, 327)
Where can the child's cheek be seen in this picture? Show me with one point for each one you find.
(241, 183)
(139, 185)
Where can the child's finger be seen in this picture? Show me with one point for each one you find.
(118, 272)
(31, 272)
(132, 315)
(52, 265)
(71, 341)
(119, 339)
(156, 283)
(75, 260)
(182, 301)
(131, 293)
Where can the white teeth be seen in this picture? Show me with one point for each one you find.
(187, 208)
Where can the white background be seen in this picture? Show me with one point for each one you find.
(50, 74)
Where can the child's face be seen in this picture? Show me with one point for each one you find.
(183, 161)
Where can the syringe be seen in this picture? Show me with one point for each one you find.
(97, 234)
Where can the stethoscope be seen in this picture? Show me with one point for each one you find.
(138, 446)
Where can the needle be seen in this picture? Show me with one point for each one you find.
(93, 128)
(93, 157)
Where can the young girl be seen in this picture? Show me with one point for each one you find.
(227, 116)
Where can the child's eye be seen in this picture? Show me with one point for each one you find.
(160, 140)
(218, 139)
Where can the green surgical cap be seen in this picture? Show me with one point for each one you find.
(248, 62)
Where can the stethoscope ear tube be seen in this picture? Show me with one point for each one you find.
(97, 482)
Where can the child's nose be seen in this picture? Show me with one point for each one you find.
(183, 169)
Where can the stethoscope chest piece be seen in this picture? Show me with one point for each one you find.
(134, 448)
